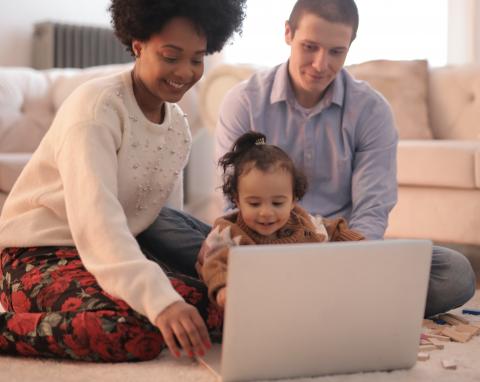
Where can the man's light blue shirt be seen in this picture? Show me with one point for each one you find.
(346, 144)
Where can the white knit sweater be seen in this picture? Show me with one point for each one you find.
(99, 177)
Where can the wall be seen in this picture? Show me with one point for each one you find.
(443, 31)
(464, 31)
(17, 18)
(476, 42)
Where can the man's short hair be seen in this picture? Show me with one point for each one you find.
(334, 11)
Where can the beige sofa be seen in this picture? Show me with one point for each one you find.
(437, 113)
(29, 100)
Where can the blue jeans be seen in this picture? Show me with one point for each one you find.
(175, 238)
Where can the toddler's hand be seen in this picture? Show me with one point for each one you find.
(221, 297)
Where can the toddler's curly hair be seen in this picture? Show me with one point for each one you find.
(251, 151)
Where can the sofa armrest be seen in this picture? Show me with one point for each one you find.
(439, 163)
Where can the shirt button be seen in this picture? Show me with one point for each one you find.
(309, 156)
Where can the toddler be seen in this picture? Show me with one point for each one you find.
(263, 183)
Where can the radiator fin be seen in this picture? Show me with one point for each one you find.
(58, 45)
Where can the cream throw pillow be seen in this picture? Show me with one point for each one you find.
(405, 85)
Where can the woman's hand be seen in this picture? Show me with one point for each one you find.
(222, 297)
(180, 323)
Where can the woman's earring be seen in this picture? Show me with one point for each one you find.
(137, 54)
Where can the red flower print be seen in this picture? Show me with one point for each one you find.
(3, 343)
(69, 273)
(49, 294)
(63, 326)
(108, 347)
(80, 275)
(194, 297)
(215, 317)
(79, 327)
(15, 264)
(86, 280)
(91, 291)
(20, 302)
(146, 345)
(59, 286)
(31, 278)
(66, 253)
(79, 347)
(5, 258)
(74, 264)
(24, 323)
(78, 341)
(71, 304)
(93, 324)
(54, 347)
(122, 305)
(5, 302)
(190, 294)
(123, 329)
(27, 259)
(106, 314)
(25, 349)
(135, 330)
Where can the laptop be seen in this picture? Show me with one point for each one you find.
(305, 310)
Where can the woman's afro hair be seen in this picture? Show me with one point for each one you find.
(140, 19)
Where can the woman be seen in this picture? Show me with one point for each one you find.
(75, 282)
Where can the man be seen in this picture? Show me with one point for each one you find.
(338, 130)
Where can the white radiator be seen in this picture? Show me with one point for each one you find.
(57, 45)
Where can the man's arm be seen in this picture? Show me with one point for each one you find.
(374, 179)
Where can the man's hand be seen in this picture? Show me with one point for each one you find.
(180, 323)
(222, 297)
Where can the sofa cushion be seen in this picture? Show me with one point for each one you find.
(214, 87)
(439, 163)
(455, 102)
(11, 164)
(435, 213)
(26, 109)
(405, 85)
(65, 80)
(29, 99)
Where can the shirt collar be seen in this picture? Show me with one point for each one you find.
(282, 89)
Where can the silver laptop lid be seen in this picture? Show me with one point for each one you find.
(315, 309)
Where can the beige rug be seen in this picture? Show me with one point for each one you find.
(165, 368)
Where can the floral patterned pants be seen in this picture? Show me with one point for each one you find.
(55, 308)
